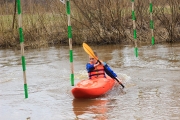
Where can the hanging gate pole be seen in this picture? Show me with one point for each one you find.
(68, 11)
(134, 29)
(151, 22)
(21, 37)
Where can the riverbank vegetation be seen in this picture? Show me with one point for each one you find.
(94, 21)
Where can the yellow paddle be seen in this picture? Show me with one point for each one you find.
(91, 53)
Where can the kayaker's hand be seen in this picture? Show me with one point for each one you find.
(96, 64)
(103, 63)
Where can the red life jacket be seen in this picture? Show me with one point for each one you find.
(98, 72)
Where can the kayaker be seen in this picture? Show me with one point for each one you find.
(98, 69)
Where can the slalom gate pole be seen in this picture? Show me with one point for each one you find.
(68, 10)
(134, 29)
(151, 22)
(21, 37)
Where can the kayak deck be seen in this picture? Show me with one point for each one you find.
(92, 88)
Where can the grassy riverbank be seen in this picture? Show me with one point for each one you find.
(96, 22)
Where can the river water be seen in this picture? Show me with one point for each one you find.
(152, 83)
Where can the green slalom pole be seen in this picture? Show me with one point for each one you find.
(22, 46)
(134, 29)
(151, 22)
(68, 10)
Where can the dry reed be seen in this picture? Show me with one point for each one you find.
(95, 21)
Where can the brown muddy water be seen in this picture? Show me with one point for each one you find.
(152, 84)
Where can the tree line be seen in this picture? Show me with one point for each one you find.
(93, 21)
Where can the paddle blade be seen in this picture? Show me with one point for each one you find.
(89, 51)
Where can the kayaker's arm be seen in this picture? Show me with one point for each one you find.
(111, 73)
(90, 67)
(108, 69)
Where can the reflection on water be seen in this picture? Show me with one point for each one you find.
(90, 107)
(151, 80)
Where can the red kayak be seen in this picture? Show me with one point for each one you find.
(93, 88)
